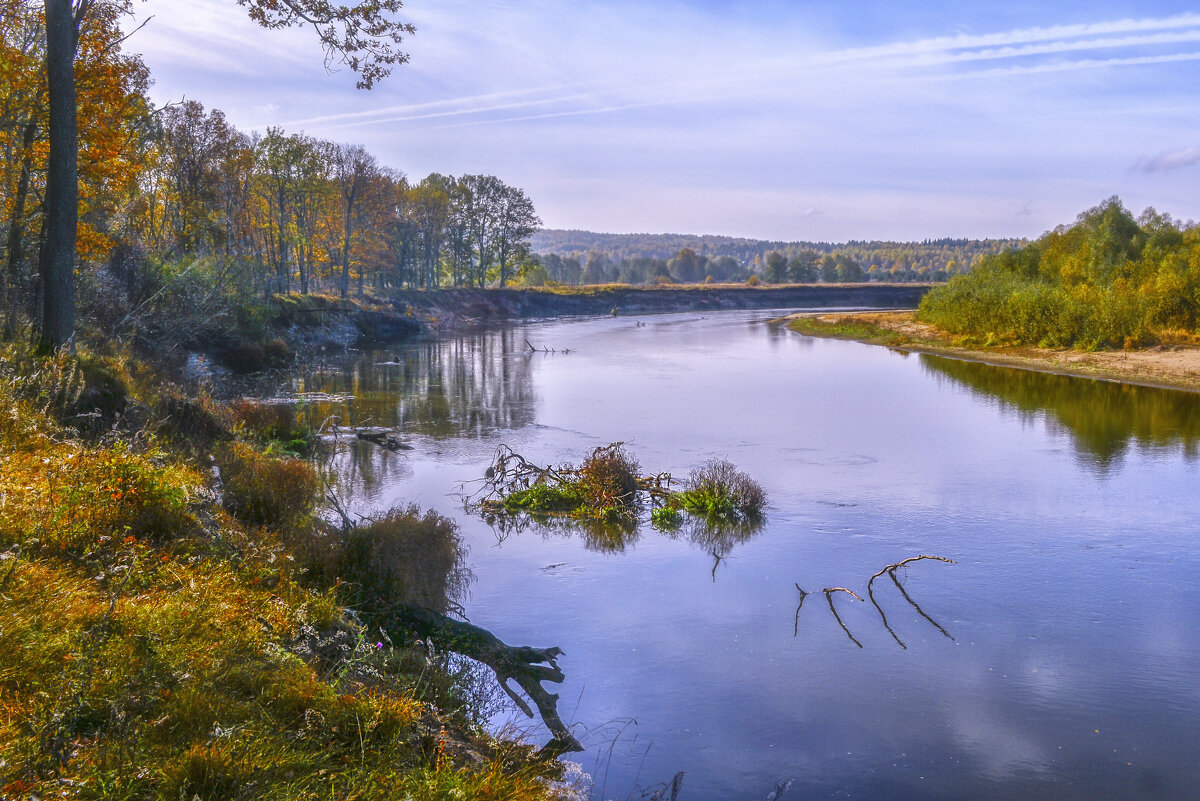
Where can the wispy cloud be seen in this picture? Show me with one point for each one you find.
(1169, 162)
(779, 120)
(467, 104)
(1059, 35)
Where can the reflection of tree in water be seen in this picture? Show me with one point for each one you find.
(718, 538)
(1104, 419)
(359, 470)
(468, 385)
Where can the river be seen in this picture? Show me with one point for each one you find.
(1056, 658)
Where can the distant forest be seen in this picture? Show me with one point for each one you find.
(584, 257)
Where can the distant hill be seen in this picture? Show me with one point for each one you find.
(945, 256)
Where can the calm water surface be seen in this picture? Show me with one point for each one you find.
(1057, 659)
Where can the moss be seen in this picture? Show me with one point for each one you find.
(545, 499)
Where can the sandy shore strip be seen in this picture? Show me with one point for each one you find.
(1169, 366)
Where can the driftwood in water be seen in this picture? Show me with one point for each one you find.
(383, 437)
(511, 472)
(527, 667)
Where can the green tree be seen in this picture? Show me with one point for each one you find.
(776, 269)
(804, 266)
(687, 266)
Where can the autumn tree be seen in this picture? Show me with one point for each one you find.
(364, 36)
(515, 221)
(356, 174)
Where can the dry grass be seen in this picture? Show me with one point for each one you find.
(268, 491)
(149, 640)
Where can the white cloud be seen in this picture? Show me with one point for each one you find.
(1169, 162)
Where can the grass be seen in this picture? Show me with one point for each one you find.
(845, 328)
(154, 644)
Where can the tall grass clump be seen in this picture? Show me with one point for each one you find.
(274, 425)
(720, 492)
(404, 556)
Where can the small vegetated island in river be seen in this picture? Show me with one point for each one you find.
(1110, 296)
(607, 488)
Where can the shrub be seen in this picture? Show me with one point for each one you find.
(720, 491)
(276, 353)
(608, 478)
(244, 356)
(198, 423)
(265, 490)
(753, 280)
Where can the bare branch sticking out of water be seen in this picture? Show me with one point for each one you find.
(544, 349)
(890, 570)
(909, 560)
(829, 591)
(799, 606)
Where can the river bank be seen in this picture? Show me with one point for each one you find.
(443, 308)
(290, 329)
(1166, 366)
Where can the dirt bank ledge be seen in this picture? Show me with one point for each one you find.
(1172, 367)
(442, 308)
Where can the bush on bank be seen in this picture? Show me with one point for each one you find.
(1107, 281)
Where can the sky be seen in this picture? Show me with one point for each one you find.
(794, 121)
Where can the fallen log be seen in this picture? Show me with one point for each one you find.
(527, 667)
(383, 437)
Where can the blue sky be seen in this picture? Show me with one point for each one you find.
(781, 120)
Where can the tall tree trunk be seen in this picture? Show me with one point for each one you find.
(16, 231)
(345, 282)
(62, 187)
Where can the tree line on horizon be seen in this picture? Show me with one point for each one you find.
(176, 190)
(582, 257)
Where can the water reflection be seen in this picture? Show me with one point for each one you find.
(467, 386)
(1103, 419)
(716, 538)
(598, 536)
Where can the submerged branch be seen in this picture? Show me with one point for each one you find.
(890, 570)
